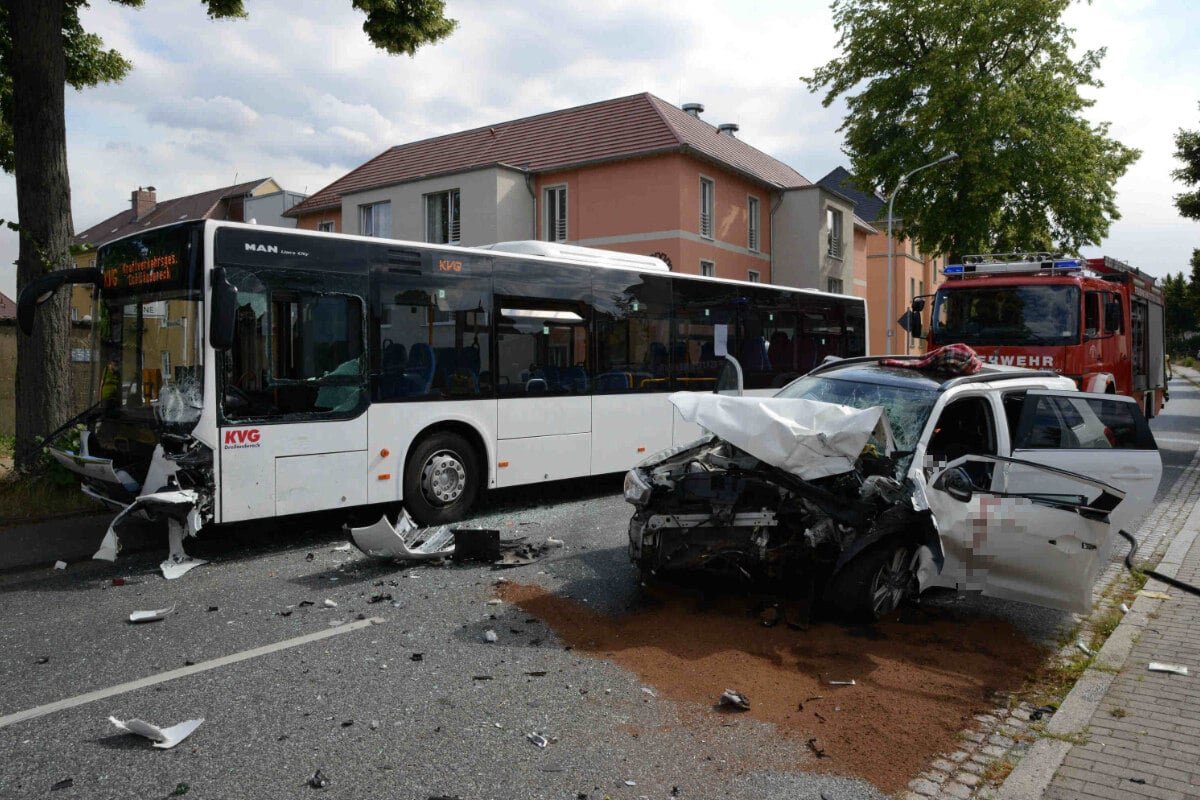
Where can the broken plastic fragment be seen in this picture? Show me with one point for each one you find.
(842, 683)
(490, 637)
(1155, 595)
(537, 739)
(735, 700)
(552, 542)
(318, 780)
(60, 565)
(1083, 648)
(1176, 669)
(65, 783)
(330, 603)
(152, 616)
(342, 548)
(163, 738)
(403, 542)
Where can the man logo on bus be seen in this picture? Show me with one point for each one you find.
(242, 437)
(262, 248)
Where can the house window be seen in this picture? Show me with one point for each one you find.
(708, 268)
(325, 227)
(753, 276)
(442, 217)
(912, 247)
(375, 219)
(706, 208)
(833, 221)
(752, 223)
(556, 214)
(834, 285)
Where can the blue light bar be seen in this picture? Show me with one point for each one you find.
(953, 269)
(1068, 263)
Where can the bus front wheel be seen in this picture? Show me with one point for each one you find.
(442, 479)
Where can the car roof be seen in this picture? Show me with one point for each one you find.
(867, 369)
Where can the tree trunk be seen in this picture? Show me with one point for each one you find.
(38, 69)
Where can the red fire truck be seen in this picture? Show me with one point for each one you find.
(1097, 320)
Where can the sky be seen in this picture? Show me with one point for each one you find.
(296, 92)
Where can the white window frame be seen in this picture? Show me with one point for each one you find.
(833, 221)
(752, 223)
(708, 203)
(326, 227)
(369, 223)
(708, 268)
(835, 286)
(453, 201)
(550, 195)
(753, 276)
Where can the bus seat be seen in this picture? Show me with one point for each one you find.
(575, 379)
(614, 382)
(754, 355)
(780, 351)
(656, 358)
(679, 353)
(419, 373)
(394, 358)
(652, 384)
(535, 386)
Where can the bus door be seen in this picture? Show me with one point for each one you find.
(292, 394)
(543, 317)
(630, 416)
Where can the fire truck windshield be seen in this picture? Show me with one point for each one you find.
(1006, 315)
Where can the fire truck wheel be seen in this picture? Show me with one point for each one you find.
(441, 480)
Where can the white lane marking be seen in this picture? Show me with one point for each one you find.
(183, 672)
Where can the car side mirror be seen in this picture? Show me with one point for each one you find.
(223, 316)
(956, 483)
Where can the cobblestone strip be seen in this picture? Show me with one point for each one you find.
(1005, 734)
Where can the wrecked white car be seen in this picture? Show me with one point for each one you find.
(862, 484)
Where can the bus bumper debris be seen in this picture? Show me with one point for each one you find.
(163, 738)
(404, 541)
(152, 616)
(735, 700)
(181, 508)
(1175, 669)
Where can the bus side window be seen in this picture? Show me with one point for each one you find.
(633, 321)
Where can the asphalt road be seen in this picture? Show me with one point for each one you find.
(357, 705)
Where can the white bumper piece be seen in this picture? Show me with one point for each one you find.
(405, 541)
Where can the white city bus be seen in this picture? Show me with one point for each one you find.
(247, 372)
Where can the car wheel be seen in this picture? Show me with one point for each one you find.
(877, 582)
(441, 480)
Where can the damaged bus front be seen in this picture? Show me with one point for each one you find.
(147, 447)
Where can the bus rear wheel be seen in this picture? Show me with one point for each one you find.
(441, 481)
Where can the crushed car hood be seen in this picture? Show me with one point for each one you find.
(807, 438)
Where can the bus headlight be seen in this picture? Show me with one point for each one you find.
(637, 490)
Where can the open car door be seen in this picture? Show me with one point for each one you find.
(1040, 541)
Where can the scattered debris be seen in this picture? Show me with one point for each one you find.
(60, 565)
(843, 683)
(417, 657)
(552, 542)
(404, 541)
(310, 556)
(490, 637)
(537, 673)
(1041, 711)
(213, 608)
(152, 616)
(631, 783)
(342, 548)
(180, 790)
(495, 601)
(649, 691)
(318, 780)
(163, 738)
(42, 660)
(379, 598)
(303, 603)
(330, 603)
(1175, 669)
(1124, 608)
(118, 581)
(1155, 595)
(819, 716)
(65, 783)
(476, 544)
(736, 700)
(481, 677)
(347, 723)
(1083, 648)
(819, 752)
(537, 739)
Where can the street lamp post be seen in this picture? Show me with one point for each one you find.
(891, 300)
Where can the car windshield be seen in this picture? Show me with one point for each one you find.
(1008, 315)
(907, 407)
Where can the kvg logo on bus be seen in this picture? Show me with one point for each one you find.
(242, 437)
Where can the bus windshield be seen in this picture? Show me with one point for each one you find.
(1007, 315)
(150, 357)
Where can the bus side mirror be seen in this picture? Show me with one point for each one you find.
(42, 289)
(224, 311)
(1113, 318)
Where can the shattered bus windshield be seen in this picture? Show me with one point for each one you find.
(150, 336)
(907, 407)
(1008, 315)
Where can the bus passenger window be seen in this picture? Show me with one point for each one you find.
(633, 321)
(542, 347)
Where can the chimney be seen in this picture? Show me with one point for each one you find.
(728, 128)
(143, 201)
(693, 109)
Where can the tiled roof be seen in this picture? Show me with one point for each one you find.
(8, 309)
(613, 129)
(867, 205)
(204, 205)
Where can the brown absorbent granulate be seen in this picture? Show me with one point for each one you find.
(918, 682)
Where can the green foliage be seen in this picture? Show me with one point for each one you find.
(401, 26)
(995, 83)
(1187, 150)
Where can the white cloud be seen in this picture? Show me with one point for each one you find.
(298, 93)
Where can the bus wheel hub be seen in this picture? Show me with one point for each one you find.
(444, 477)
